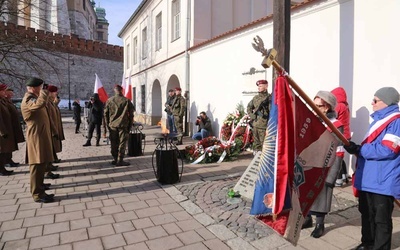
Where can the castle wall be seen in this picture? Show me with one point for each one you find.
(59, 51)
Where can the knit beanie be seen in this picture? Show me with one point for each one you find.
(388, 95)
(328, 97)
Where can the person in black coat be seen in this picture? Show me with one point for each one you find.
(77, 115)
(95, 118)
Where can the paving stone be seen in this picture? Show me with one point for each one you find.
(39, 220)
(49, 210)
(7, 216)
(189, 237)
(126, 199)
(142, 223)
(16, 234)
(113, 241)
(73, 236)
(94, 244)
(44, 241)
(18, 244)
(75, 207)
(59, 247)
(164, 243)
(34, 231)
(11, 208)
(95, 212)
(133, 206)
(182, 215)
(94, 204)
(172, 228)
(207, 235)
(155, 232)
(179, 198)
(101, 220)
(138, 246)
(112, 209)
(204, 219)
(56, 228)
(78, 224)
(162, 219)
(239, 244)
(188, 225)
(69, 216)
(124, 226)
(221, 232)
(216, 244)
(147, 212)
(134, 237)
(124, 216)
(197, 246)
(9, 225)
(100, 231)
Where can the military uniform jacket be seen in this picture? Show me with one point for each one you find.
(118, 112)
(7, 145)
(259, 115)
(178, 106)
(17, 129)
(38, 135)
(54, 126)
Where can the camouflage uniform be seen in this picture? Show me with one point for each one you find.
(178, 110)
(118, 114)
(259, 114)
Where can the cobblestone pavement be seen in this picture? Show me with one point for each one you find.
(99, 206)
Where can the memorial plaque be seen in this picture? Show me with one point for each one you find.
(247, 182)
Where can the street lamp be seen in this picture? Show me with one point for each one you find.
(69, 83)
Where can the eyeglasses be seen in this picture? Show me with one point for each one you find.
(375, 101)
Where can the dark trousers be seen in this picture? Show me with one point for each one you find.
(91, 129)
(118, 139)
(36, 179)
(78, 125)
(376, 219)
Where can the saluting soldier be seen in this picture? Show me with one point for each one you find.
(178, 110)
(38, 136)
(258, 110)
(16, 124)
(53, 112)
(118, 114)
(7, 140)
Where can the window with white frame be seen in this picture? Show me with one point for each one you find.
(144, 43)
(176, 19)
(158, 31)
(135, 50)
(128, 52)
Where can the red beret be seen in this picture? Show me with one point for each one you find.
(179, 89)
(52, 88)
(261, 82)
(3, 86)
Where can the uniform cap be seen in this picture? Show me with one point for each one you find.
(3, 87)
(52, 88)
(388, 95)
(34, 82)
(178, 89)
(328, 97)
(261, 82)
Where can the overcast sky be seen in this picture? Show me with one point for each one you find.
(117, 13)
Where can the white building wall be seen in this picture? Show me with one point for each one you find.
(334, 43)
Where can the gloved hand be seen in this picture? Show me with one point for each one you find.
(352, 148)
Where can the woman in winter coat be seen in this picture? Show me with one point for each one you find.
(326, 102)
(77, 115)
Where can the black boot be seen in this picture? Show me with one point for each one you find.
(87, 143)
(307, 222)
(318, 231)
(121, 162)
(98, 141)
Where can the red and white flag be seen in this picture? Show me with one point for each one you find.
(123, 84)
(128, 89)
(99, 89)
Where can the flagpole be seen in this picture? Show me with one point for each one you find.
(269, 59)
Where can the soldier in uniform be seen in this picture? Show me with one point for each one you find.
(16, 124)
(7, 140)
(170, 116)
(56, 130)
(258, 110)
(38, 136)
(118, 114)
(178, 110)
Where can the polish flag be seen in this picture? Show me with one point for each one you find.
(123, 84)
(99, 89)
(128, 90)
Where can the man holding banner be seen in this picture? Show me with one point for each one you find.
(377, 175)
